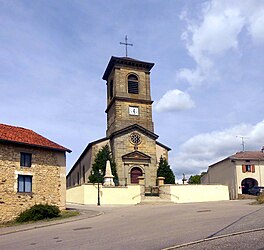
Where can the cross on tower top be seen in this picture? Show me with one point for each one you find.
(126, 44)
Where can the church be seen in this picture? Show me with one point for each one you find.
(130, 128)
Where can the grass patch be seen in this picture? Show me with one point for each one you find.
(68, 213)
(64, 214)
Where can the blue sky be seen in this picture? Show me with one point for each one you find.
(207, 83)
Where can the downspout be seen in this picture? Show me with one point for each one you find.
(235, 184)
(260, 180)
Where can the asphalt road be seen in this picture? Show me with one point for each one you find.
(150, 227)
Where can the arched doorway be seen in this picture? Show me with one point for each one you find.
(248, 183)
(135, 173)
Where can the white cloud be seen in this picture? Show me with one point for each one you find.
(174, 100)
(256, 25)
(216, 32)
(197, 153)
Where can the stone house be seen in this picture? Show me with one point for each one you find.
(130, 128)
(239, 172)
(32, 171)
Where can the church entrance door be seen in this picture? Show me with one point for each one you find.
(135, 173)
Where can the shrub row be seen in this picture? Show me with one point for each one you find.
(39, 212)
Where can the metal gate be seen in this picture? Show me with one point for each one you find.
(152, 191)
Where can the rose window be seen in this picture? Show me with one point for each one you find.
(135, 138)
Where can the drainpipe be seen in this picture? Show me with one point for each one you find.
(260, 180)
(235, 186)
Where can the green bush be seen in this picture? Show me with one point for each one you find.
(39, 212)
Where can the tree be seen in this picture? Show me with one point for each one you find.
(195, 179)
(165, 171)
(102, 156)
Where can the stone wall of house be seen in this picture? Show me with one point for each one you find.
(48, 179)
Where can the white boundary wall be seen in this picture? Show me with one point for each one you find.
(88, 193)
(132, 194)
(194, 193)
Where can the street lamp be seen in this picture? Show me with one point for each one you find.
(98, 186)
(183, 178)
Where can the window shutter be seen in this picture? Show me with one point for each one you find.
(253, 168)
(244, 168)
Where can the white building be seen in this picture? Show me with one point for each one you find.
(239, 172)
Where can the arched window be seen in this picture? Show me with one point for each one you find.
(132, 84)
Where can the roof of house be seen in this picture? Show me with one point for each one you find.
(243, 155)
(251, 155)
(28, 137)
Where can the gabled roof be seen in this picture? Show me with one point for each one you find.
(126, 62)
(136, 156)
(243, 155)
(18, 135)
(135, 127)
(248, 155)
(162, 145)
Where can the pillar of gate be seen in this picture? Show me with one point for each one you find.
(160, 181)
(141, 180)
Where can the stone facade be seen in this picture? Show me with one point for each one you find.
(119, 118)
(48, 179)
(118, 104)
(132, 159)
(122, 146)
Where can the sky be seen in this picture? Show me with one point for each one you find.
(207, 83)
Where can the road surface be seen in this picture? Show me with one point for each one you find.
(150, 227)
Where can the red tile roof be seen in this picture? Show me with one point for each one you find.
(248, 155)
(28, 137)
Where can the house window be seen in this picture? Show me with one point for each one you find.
(133, 84)
(248, 168)
(25, 159)
(24, 184)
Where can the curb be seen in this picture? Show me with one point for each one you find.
(213, 238)
(51, 223)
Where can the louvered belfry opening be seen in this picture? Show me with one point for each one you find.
(133, 84)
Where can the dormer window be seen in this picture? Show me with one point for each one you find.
(132, 84)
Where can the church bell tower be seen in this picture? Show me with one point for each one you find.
(128, 94)
(130, 130)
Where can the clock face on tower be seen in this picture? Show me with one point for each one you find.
(133, 110)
